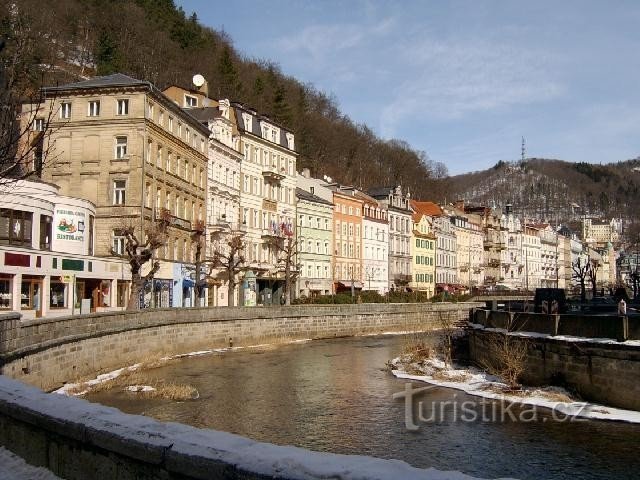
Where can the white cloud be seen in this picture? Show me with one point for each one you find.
(449, 80)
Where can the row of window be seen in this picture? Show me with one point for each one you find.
(426, 244)
(399, 224)
(347, 271)
(170, 163)
(375, 212)
(269, 159)
(309, 221)
(93, 108)
(350, 210)
(315, 271)
(423, 260)
(348, 229)
(265, 189)
(424, 278)
(308, 246)
(345, 249)
(375, 253)
(255, 218)
(174, 203)
(176, 128)
(379, 234)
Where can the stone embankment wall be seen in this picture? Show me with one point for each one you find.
(600, 369)
(50, 352)
(78, 440)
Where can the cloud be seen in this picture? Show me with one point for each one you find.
(450, 80)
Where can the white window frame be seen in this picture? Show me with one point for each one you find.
(190, 101)
(65, 110)
(118, 243)
(123, 106)
(120, 149)
(119, 193)
(93, 108)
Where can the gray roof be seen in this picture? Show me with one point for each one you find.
(204, 114)
(377, 192)
(114, 80)
(310, 197)
(255, 124)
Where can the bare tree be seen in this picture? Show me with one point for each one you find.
(139, 253)
(25, 121)
(579, 270)
(286, 247)
(228, 256)
(508, 355)
(592, 275)
(197, 239)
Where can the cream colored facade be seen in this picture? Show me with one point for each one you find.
(423, 251)
(123, 145)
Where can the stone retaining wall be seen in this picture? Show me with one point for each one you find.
(50, 352)
(78, 440)
(599, 371)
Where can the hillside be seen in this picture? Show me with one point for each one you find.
(554, 189)
(156, 41)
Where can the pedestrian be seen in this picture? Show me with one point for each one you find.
(622, 307)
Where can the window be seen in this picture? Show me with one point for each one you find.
(93, 108)
(57, 295)
(121, 147)
(187, 134)
(118, 242)
(38, 124)
(65, 110)
(119, 188)
(15, 227)
(123, 106)
(5, 294)
(45, 232)
(171, 124)
(190, 101)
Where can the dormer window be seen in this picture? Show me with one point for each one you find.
(190, 101)
(247, 122)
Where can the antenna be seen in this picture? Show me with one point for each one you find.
(523, 149)
(198, 80)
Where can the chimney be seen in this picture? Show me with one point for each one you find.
(508, 207)
(306, 173)
(459, 205)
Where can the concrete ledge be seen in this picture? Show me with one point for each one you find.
(76, 439)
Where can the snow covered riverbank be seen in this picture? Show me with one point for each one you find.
(478, 383)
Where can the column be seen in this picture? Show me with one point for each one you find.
(113, 293)
(15, 291)
(46, 292)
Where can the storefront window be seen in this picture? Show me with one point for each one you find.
(45, 232)
(30, 294)
(15, 227)
(5, 294)
(58, 295)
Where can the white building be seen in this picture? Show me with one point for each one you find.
(46, 255)
(375, 245)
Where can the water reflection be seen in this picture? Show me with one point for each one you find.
(336, 396)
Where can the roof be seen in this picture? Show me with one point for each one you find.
(255, 124)
(310, 197)
(427, 208)
(377, 192)
(205, 113)
(113, 80)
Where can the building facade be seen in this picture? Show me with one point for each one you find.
(423, 251)
(347, 239)
(315, 236)
(375, 245)
(127, 148)
(400, 228)
(47, 261)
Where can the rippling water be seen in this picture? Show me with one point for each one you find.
(336, 396)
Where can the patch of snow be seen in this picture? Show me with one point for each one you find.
(478, 383)
(139, 388)
(566, 338)
(15, 468)
(209, 445)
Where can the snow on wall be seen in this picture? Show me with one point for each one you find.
(104, 433)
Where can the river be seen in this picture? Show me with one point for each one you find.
(336, 396)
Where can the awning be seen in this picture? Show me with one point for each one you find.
(187, 283)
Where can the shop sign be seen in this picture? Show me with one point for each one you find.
(69, 225)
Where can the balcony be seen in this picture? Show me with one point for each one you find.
(221, 225)
(271, 174)
(174, 221)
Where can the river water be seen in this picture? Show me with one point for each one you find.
(336, 396)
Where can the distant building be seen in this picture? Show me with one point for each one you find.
(423, 250)
(400, 227)
(375, 245)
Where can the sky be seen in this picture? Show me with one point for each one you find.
(463, 81)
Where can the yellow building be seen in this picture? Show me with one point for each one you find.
(423, 250)
(123, 145)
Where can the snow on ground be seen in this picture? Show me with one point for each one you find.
(478, 383)
(82, 388)
(13, 467)
(210, 446)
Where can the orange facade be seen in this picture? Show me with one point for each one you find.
(347, 241)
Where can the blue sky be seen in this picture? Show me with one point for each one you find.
(461, 80)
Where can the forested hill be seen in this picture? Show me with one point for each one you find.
(553, 189)
(153, 40)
